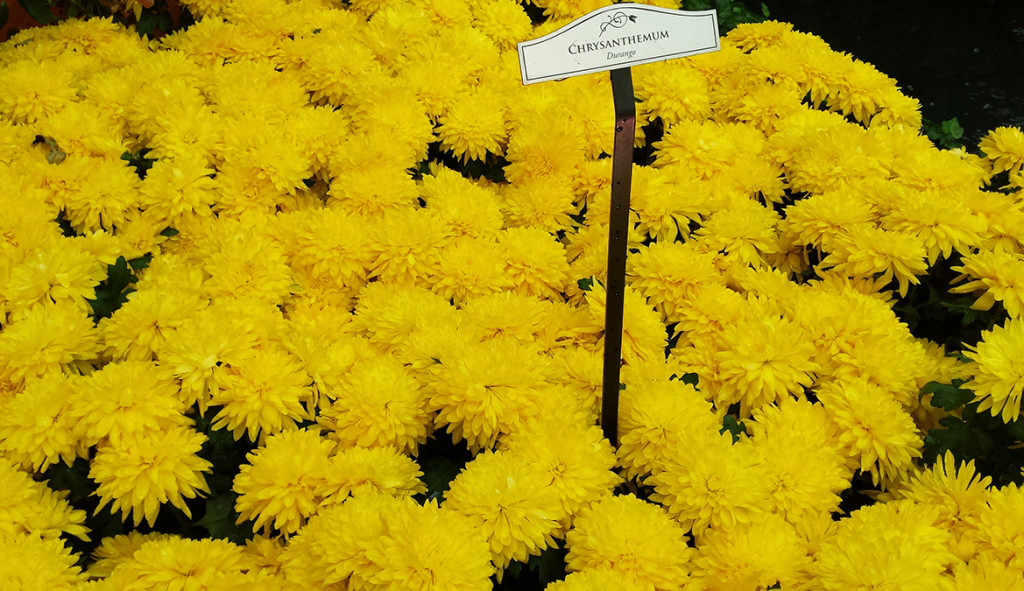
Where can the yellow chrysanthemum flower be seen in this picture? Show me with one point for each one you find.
(280, 485)
(939, 170)
(708, 148)
(32, 508)
(544, 151)
(765, 104)
(508, 315)
(177, 187)
(762, 360)
(123, 400)
(540, 202)
(474, 125)
(511, 501)
(895, 545)
(667, 201)
(179, 563)
(798, 449)
(15, 141)
(577, 460)
(469, 268)
(688, 99)
(709, 482)
(995, 369)
(875, 431)
(261, 394)
(138, 473)
(427, 548)
(379, 403)
(139, 329)
(657, 417)
(105, 197)
(998, 275)
(358, 470)
(986, 573)
(670, 274)
(820, 219)
(756, 555)
(998, 529)
(944, 224)
(582, 371)
(32, 562)
(870, 251)
(1004, 147)
(651, 550)
(34, 90)
(117, 549)
(334, 543)
(202, 349)
(388, 313)
(744, 232)
(535, 262)
(50, 338)
(712, 307)
(1004, 216)
(36, 429)
(409, 245)
(505, 22)
(486, 390)
(247, 264)
(643, 335)
(468, 208)
(958, 492)
(61, 272)
(185, 127)
(834, 156)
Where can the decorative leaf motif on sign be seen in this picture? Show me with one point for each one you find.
(617, 20)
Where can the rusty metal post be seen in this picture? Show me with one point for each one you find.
(618, 233)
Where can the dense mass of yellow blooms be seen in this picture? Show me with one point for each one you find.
(324, 291)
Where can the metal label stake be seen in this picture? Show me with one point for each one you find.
(618, 236)
(614, 38)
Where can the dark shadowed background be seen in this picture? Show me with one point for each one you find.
(960, 59)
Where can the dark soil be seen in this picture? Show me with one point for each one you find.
(960, 59)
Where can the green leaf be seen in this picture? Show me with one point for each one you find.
(946, 134)
(113, 291)
(220, 518)
(734, 427)
(1016, 429)
(549, 564)
(39, 10)
(5, 14)
(438, 472)
(964, 438)
(74, 479)
(947, 396)
(586, 284)
(147, 24)
(139, 263)
(690, 378)
(952, 128)
(139, 161)
(513, 570)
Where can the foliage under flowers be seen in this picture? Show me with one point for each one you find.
(261, 271)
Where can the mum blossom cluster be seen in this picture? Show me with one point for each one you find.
(328, 281)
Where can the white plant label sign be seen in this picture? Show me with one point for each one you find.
(618, 36)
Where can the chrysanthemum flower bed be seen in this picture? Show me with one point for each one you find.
(358, 255)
